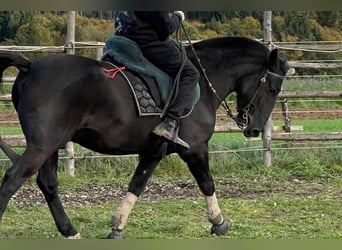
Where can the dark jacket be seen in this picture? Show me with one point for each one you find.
(146, 26)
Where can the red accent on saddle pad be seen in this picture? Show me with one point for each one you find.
(113, 71)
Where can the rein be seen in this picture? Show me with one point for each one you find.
(241, 124)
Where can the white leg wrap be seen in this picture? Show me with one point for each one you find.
(121, 215)
(74, 237)
(213, 209)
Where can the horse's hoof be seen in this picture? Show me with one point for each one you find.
(116, 234)
(220, 229)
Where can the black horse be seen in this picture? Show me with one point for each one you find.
(61, 98)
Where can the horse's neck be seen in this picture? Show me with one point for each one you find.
(218, 82)
(223, 67)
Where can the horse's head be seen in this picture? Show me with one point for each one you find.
(256, 101)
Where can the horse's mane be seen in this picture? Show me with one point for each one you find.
(237, 49)
(232, 43)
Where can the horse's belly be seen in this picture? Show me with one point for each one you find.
(115, 143)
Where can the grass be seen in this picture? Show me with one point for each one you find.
(312, 84)
(319, 125)
(267, 203)
(271, 217)
(13, 130)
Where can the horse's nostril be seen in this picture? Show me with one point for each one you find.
(255, 132)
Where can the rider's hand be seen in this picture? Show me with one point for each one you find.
(180, 14)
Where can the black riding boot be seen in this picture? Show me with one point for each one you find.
(168, 129)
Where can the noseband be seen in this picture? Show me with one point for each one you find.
(245, 116)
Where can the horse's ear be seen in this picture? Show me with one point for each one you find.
(273, 58)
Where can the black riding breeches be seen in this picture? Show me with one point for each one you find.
(168, 57)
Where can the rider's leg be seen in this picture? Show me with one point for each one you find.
(168, 57)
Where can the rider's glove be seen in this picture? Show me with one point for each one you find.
(180, 14)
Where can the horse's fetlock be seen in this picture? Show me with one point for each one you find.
(116, 221)
(216, 220)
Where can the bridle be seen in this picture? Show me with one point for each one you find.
(245, 116)
(242, 124)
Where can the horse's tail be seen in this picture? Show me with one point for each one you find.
(11, 59)
(7, 60)
(13, 156)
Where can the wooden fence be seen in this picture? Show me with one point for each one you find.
(19, 141)
(278, 132)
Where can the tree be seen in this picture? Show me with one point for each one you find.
(10, 22)
(43, 30)
(297, 23)
(251, 27)
(332, 19)
(248, 27)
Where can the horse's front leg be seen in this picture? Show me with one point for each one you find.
(199, 167)
(137, 185)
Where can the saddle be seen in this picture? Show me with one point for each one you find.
(150, 86)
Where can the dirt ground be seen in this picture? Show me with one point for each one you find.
(96, 195)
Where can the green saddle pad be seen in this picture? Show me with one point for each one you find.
(126, 52)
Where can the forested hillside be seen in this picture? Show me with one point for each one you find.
(49, 28)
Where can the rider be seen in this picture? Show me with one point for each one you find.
(151, 31)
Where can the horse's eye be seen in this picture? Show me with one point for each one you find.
(273, 91)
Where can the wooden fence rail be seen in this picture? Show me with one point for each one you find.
(335, 47)
(6, 98)
(310, 94)
(15, 141)
(307, 136)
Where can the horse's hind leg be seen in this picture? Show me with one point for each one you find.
(24, 167)
(47, 182)
(137, 185)
(199, 167)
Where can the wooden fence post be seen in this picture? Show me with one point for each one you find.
(267, 134)
(70, 43)
(99, 53)
(70, 36)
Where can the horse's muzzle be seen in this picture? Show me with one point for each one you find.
(252, 132)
